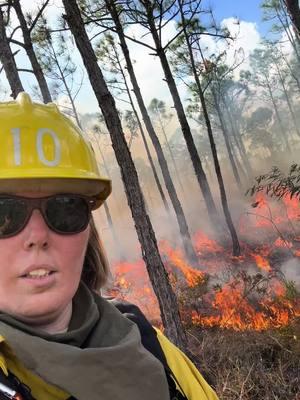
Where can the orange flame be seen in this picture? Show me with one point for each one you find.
(231, 306)
(262, 262)
(235, 312)
(192, 276)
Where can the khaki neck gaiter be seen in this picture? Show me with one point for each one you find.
(100, 357)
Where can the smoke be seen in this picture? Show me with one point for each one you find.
(291, 271)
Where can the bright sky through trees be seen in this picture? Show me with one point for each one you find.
(249, 31)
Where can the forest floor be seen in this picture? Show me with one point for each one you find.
(249, 365)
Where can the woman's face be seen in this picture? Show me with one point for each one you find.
(40, 270)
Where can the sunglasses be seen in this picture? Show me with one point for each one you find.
(65, 214)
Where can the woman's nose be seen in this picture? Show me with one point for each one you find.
(37, 232)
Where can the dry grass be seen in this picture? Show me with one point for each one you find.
(250, 365)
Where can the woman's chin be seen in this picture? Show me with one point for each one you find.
(39, 314)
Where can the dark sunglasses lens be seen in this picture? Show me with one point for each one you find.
(67, 214)
(13, 215)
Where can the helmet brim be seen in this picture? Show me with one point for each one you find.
(99, 189)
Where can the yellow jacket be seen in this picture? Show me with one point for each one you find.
(190, 380)
(188, 377)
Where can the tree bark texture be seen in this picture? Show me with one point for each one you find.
(294, 12)
(183, 226)
(28, 46)
(8, 61)
(157, 273)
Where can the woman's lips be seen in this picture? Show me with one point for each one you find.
(36, 271)
(39, 276)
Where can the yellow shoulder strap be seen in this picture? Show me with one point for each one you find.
(40, 389)
(191, 381)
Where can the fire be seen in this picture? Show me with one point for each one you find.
(262, 262)
(280, 242)
(234, 311)
(204, 244)
(269, 215)
(176, 258)
(253, 296)
(292, 207)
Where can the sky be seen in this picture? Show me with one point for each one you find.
(147, 67)
(244, 10)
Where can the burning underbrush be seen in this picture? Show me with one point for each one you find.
(256, 294)
(242, 314)
(258, 290)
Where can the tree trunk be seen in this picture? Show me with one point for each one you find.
(287, 98)
(282, 130)
(238, 140)
(8, 61)
(236, 250)
(37, 70)
(157, 273)
(183, 226)
(159, 187)
(292, 72)
(171, 154)
(227, 142)
(200, 174)
(288, 32)
(294, 12)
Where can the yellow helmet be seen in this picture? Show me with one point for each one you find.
(42, 150)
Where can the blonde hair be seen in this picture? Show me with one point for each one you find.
(96, 270)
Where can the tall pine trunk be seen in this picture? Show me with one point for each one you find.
(294, 12)
(281, 79)
(158, 184)
(183, 226)
(8, 61)
(236, 250)
(171, 154)
(157, 273)
(238, 140)
(28, 46)
(282, 130)
(226, 139)
(187, 134)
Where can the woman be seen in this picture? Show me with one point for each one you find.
(58, 338)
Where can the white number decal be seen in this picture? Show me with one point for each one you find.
(16, 132)
(17, 145)
(39, 146)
